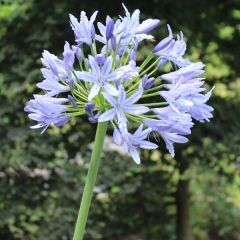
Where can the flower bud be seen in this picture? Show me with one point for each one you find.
(100, 58)
(94, 118)
(72, 101)
(113, 43)
(109, 28)
(117, 137)
(89, 108)
(148, 82)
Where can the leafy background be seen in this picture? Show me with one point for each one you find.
(194, 196)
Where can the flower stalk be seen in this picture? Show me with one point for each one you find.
(90, 181)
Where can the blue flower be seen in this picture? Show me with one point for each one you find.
(171, 138)
(170, 126)
(122, 105)
(100, 77)
(172, 50)
(100, 58)
(84, 30)
(60, 69)
(109, 28)
(69, 58)
(72, 101)
(127, 30)
(47, 110)
(133, 142)
(56, 70)
(172, 120)
(52, 87)
(134, 29)
(148, 82)
(185, 92)
(187, 73)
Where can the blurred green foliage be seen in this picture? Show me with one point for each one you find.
(42, 176)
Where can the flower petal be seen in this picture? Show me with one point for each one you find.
(148, 145)
(110, 99)
(94, 91)
(94, 65)
(111, 89)
(147, 26)
(134, 97)
(135, 155)
(107, 66)
(85, 76)
(136, 109)
(108, 115)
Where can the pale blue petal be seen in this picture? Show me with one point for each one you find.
(117, 137)
(94, 91)
(102, 29)
(107, 67)
(176, 138)
(135, 155)
(86, 76)
(114, 76)
(108, 115)
(110, 99)
(139, 130)
(170, 147)
(135, 109)
(100, 39)
(122, 121)
(147, 25)
(148, 145)
(134, 97)
(144, 133)
(93, 17)
(94, 65)
(122, 95)
(111, 89)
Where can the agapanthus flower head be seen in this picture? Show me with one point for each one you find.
(109, 85)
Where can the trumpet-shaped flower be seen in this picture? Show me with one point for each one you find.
(127, 30)
(171, 125)
(84, 30)
(148, 82)
(186, 99)
(187, 73)
(100, 77)
(122, 105)
(172, 50)
(133, 142)
(47, 110)
(134, 29)
(56, 70)
(170, 138)
(60, 69)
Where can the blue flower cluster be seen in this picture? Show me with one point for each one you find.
(99, 76)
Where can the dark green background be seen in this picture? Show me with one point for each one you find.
(194, 196)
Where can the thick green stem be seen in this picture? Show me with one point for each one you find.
(90, 181)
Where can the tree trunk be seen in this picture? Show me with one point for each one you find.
(183, 224)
